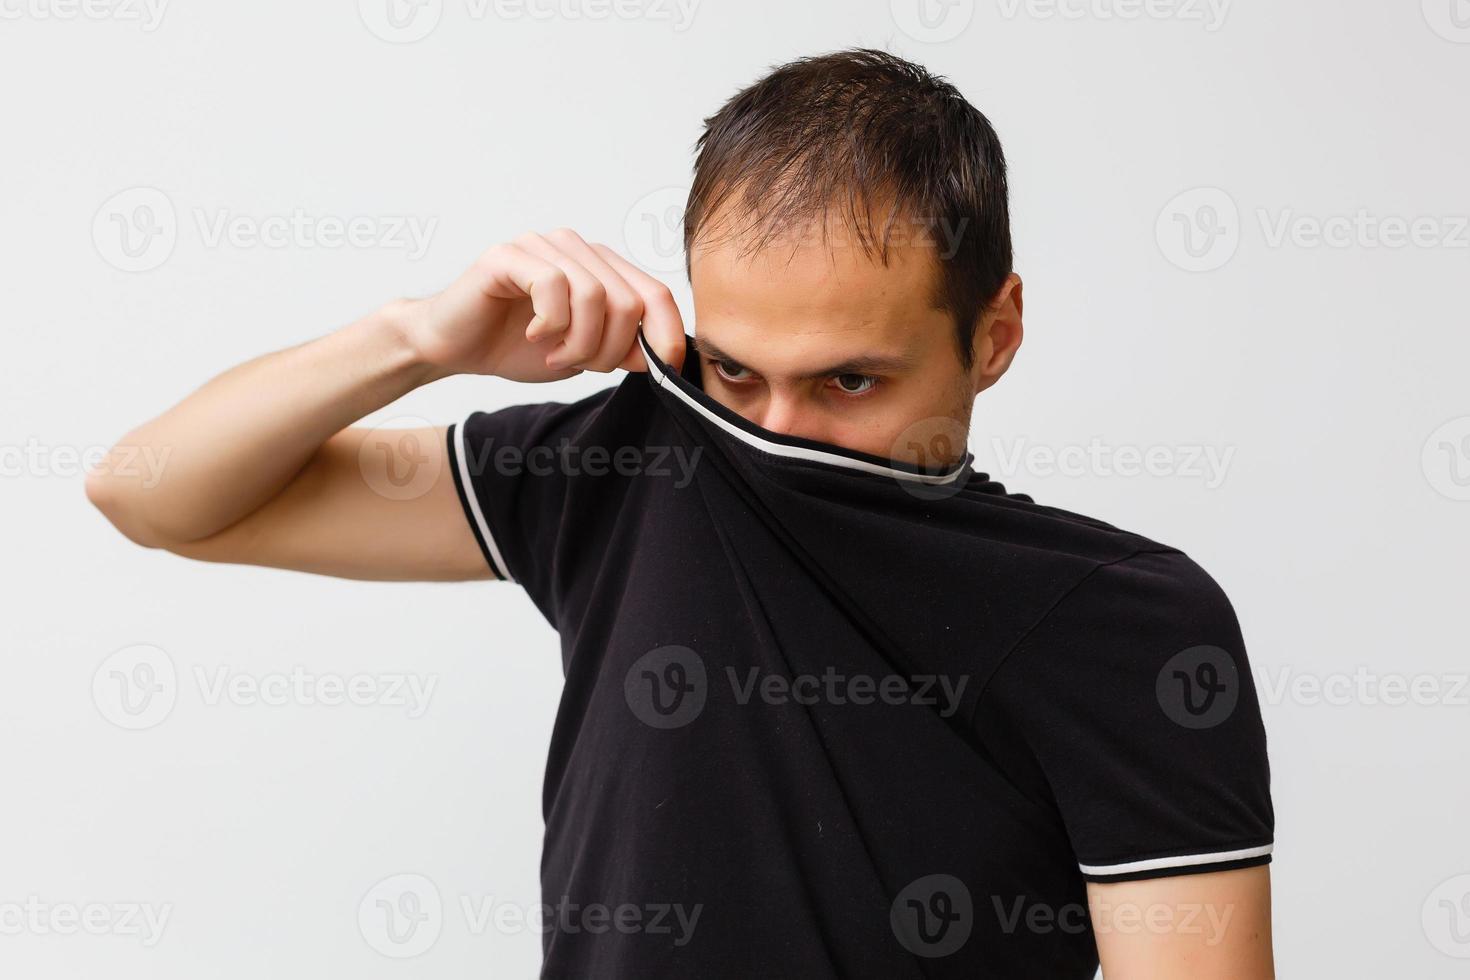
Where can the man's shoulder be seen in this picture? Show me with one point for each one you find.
(1048, 534)
(618, 415)
(1102, 574)
(1144, 602)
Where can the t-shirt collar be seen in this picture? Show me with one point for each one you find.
(686, 387)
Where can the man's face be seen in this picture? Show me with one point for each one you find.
(823, 341)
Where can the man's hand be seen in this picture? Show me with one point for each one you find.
(263, 468)
(543, 308)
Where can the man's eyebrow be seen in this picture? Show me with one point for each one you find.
(865, 364)
(862, 364)
(710, 352)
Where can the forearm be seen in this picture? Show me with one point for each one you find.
(262, 466)
(234, 444)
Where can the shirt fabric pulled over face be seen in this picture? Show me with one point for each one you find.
(828, 715)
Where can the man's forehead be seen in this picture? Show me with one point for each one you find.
(798, 302)
(812, 279)
(826, 246)
(804, 355)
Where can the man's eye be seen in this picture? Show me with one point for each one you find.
(855, 384)
(731, 371)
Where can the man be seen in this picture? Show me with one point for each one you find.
(835, 704)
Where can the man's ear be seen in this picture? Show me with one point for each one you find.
(998, 334)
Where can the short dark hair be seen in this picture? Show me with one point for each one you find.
(882, 139)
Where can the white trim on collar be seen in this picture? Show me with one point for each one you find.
(660, 377)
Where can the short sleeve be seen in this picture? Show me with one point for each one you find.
(512, 471)
(1132, 705)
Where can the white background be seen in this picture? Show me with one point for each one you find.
(1339, 528)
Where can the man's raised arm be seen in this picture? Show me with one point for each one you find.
(261, 467)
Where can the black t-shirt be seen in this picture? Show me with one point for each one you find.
(830, 716)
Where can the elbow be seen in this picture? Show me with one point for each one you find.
(110, 495)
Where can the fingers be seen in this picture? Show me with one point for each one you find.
(623, 307)
(508, 272)
(589, 301)
(662, 324)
